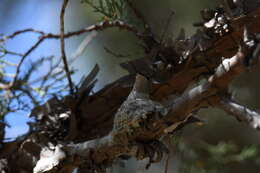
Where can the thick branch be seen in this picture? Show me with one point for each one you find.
(242, 113)
(193, 99)
(184, 74)
(106, 149)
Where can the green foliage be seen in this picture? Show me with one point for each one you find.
(116, 10)
(111, 9)
(203, 157)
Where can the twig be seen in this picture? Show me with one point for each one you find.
(5, 51)
(95, 27)
(22, 60)
(63, 54)
(99, 27)
(21, 32)
(138, 14)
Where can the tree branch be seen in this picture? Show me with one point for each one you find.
(22, 60)
(21, 32)
(241, 112)
(102, 151)
(62, 44)
(98, 27)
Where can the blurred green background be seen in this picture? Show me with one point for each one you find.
(220, 145)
